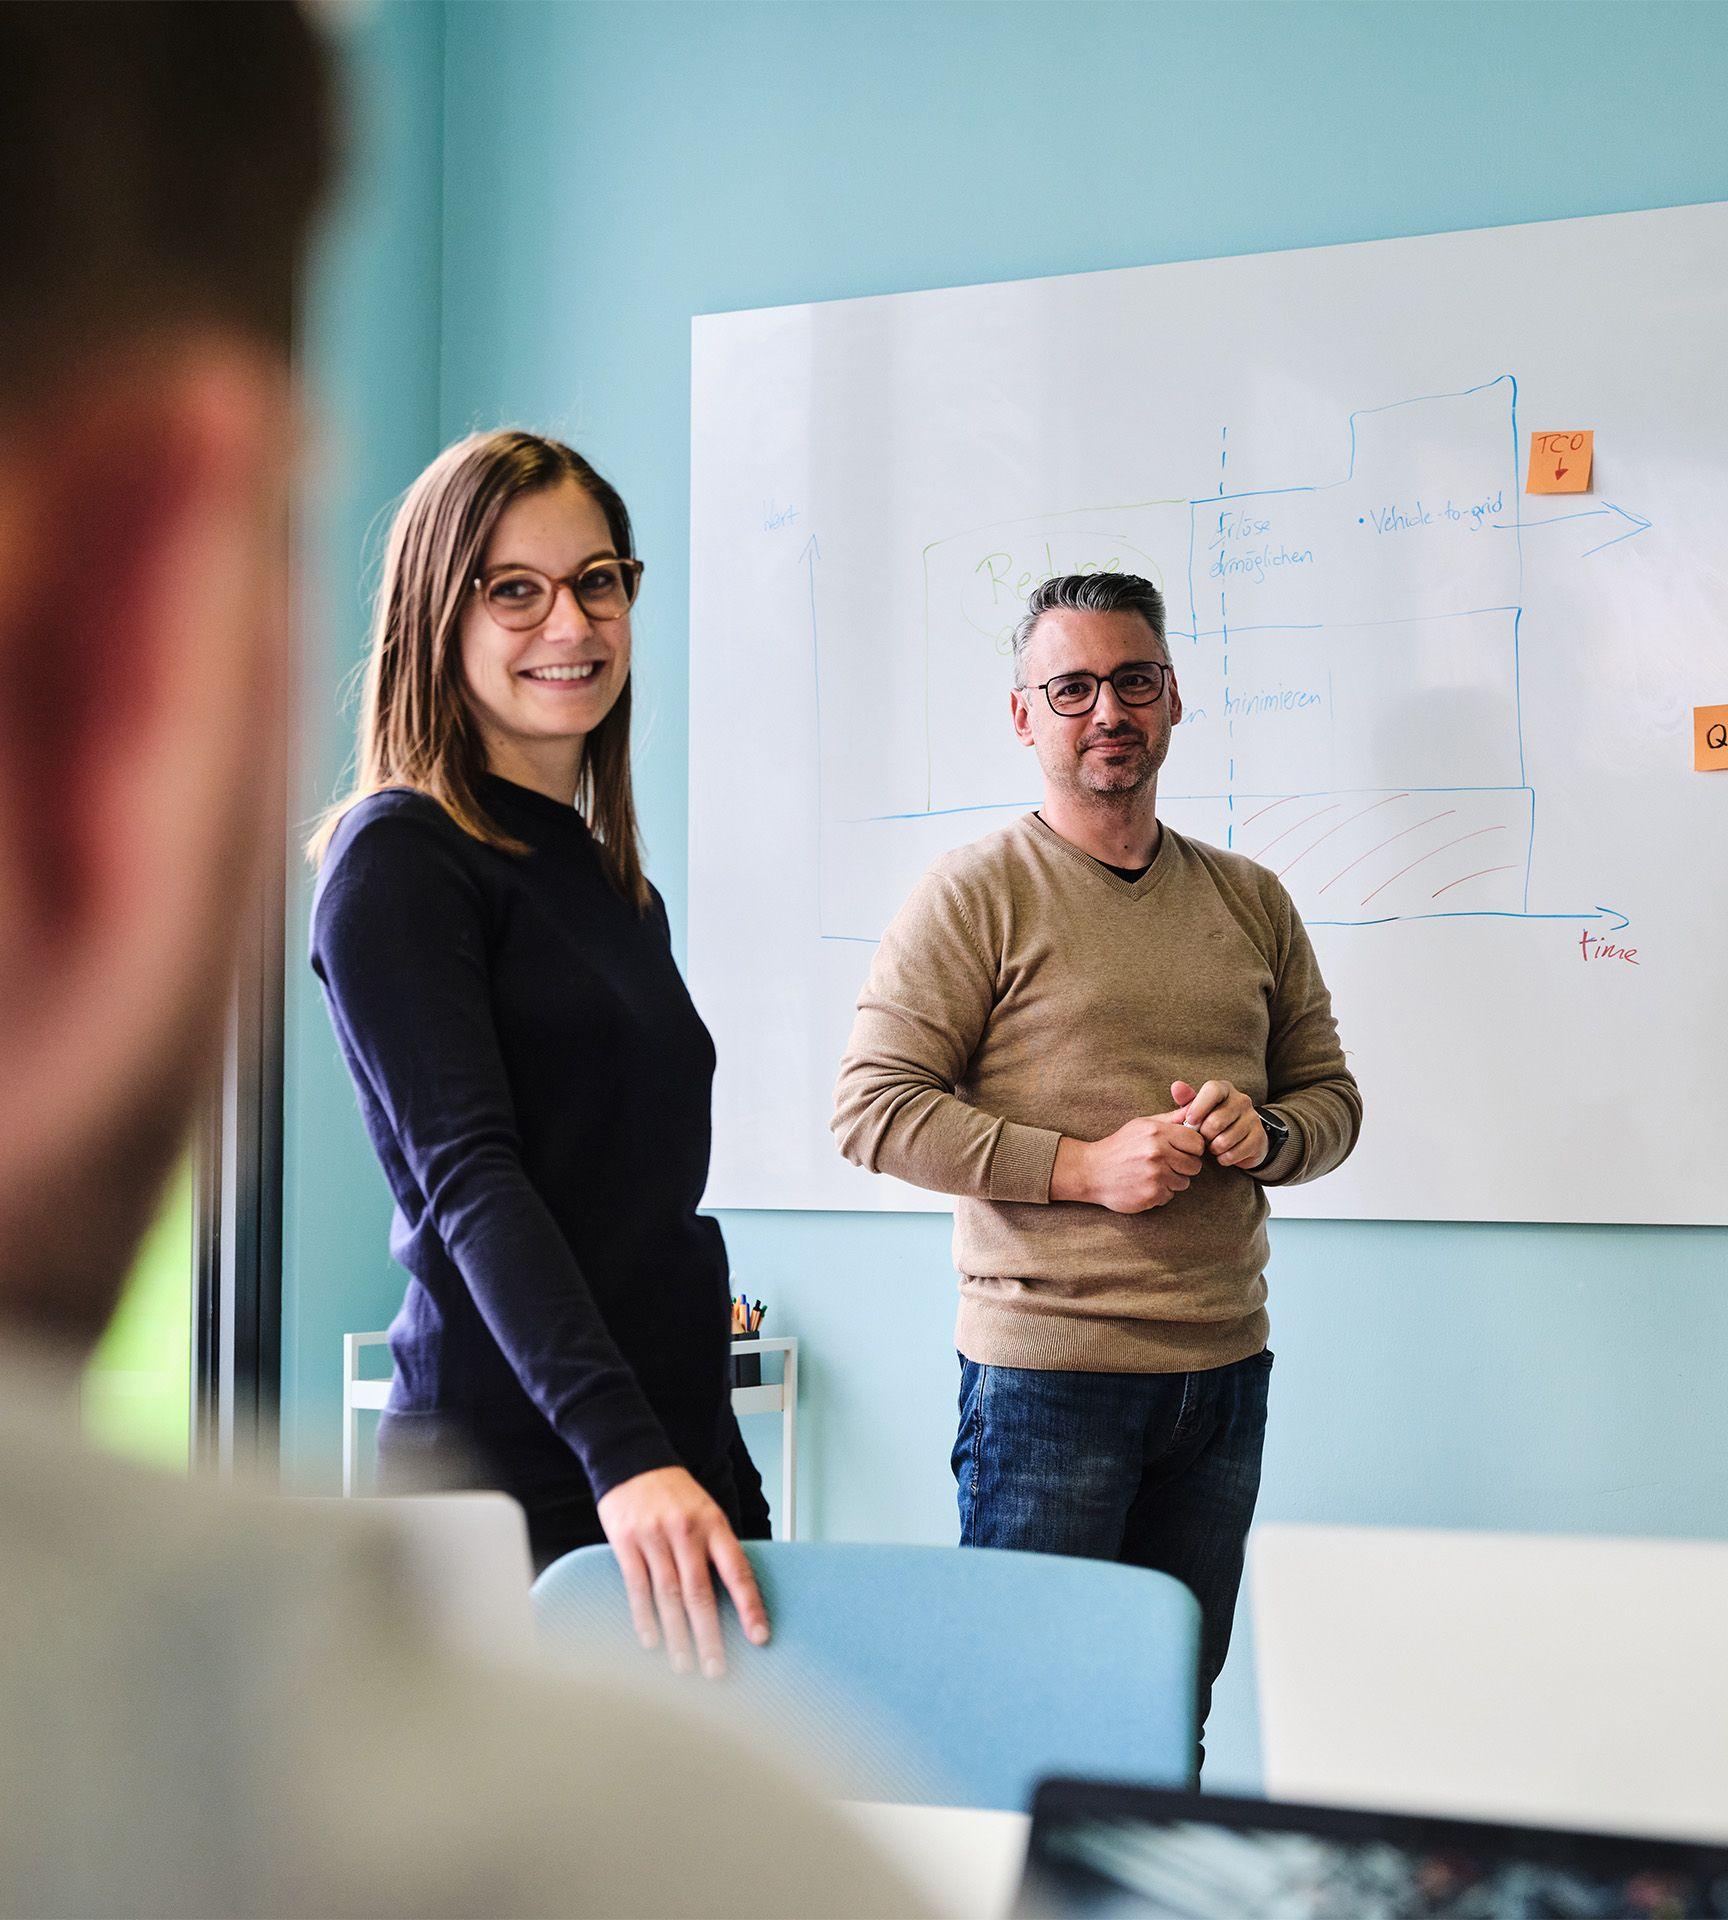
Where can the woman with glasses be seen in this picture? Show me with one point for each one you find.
(530, 1068)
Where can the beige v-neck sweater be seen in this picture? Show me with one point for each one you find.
(1025, 992)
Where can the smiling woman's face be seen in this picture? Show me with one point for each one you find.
(538, 693)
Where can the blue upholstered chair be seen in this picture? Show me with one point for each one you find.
(940, 1675)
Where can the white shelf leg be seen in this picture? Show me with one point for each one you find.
(350, 1419)
(789, 1449)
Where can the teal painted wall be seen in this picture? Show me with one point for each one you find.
(370, 366)
(610, 170)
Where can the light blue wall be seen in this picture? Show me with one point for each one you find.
(610, 170)
(370, 363)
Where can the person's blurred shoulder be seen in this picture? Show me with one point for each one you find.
(224, 1702)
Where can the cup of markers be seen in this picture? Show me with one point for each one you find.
(747, 1318)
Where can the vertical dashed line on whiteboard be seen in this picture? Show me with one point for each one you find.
(1224, 626)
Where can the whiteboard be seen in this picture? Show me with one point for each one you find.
(1455, 717)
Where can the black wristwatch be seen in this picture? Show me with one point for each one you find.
(1277, 1136)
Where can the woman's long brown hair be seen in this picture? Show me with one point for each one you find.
(416, 727)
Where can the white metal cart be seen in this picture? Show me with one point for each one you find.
(361, 1395)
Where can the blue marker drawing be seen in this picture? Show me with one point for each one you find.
(1350, 666)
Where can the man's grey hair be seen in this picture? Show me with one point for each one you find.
(1090, 593)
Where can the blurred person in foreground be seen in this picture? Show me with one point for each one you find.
(209, 1703)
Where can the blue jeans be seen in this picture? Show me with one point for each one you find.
(1159, 1470)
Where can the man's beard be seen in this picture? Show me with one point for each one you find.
(1119, 778)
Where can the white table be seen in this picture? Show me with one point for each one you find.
(965, 1861)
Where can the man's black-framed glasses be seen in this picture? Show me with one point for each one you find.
(522, 597)
(1138, 684)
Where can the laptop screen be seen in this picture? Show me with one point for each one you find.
(1136, 1853)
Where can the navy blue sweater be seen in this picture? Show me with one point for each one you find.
(536, 1083)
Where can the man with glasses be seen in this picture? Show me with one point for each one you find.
(1105, 1039)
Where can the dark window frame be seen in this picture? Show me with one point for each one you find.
(237, 1200)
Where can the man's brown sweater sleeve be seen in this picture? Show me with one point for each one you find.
(1309, 1086)
(920, 1018)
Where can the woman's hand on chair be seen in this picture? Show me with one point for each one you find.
(667, 1530)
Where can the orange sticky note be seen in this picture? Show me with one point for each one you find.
(1710, 739)
(1560, 462)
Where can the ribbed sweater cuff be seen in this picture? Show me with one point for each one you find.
(1020, 1167)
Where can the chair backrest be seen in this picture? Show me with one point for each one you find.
(1537, 1678)
(941, 1675)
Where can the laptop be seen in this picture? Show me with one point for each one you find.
(466, 1558)
(1140, 1853)
(1550, 1679)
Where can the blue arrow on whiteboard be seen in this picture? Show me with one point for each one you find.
(1632, 524)
(1635, 525)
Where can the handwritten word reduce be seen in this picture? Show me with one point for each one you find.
(1006, 584)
